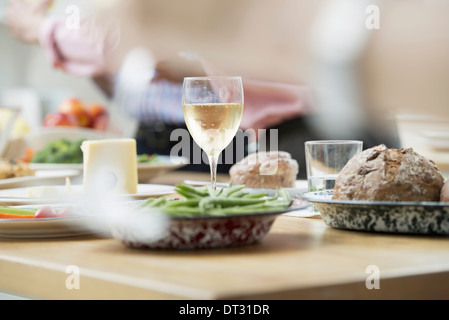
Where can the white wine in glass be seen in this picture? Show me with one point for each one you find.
(213, 108)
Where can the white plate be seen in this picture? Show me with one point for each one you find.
(437, 140)
(39, 178)
(56, 166)
(77, 225)
(48, 227)
(146, 171)
(19, 196)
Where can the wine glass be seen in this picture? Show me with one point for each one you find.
(213, 108)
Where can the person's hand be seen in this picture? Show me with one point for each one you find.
(24, 18)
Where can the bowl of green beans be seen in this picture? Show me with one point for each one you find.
(202, 218)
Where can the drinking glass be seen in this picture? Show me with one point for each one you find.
(213, 108)
(325, 159)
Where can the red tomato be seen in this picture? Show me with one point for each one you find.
(45, 212)
(72, 106)
(64, 213)
(101, 122)
(95, 110)
(60, 120)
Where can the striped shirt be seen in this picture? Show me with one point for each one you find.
(152, 100)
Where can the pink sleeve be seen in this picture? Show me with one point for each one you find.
(267, 103)
(82, 52)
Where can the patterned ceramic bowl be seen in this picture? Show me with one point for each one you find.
(430, 218)
(141, 231)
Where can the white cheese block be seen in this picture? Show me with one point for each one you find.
(110, 165)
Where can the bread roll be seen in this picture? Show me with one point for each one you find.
(444, 194)
(274, 169)
(382, 174)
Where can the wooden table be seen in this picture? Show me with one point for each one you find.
(301, 258)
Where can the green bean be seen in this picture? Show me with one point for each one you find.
(182, 211)
(158, 202)
(244, 210)
(238, 194)
(220, 192)
(204, 201)
(188, 194)
(147, 202)
(230, 202)
(18, 211)
(235, 189)
(183, 202)
(230, 190)
(255, 195)
(209, 203)
(211, 192)
(192, 191)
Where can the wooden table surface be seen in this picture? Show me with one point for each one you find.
(300, 258)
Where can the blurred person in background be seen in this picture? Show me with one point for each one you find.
(150, 91)
(263, 42)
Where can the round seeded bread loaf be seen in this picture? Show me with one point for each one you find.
(382, 174)
(444, 194)
(265, 170)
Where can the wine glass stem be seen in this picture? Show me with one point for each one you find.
(213, 171)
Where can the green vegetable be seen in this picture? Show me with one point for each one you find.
(144, 158)
(204, 201)
(60, 151)
(68, 151)
(17, 211)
